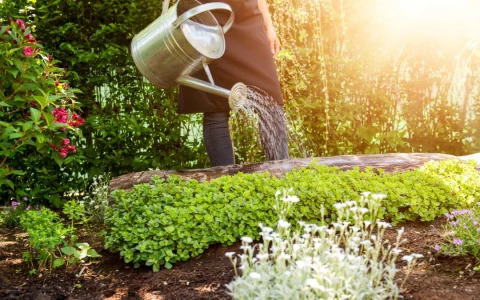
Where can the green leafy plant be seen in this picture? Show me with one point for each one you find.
(163, 222)
(52, 244)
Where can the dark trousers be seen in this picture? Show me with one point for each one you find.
(218, 141)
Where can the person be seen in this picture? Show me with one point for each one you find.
(251, 45)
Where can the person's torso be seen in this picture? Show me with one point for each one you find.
(242, 8)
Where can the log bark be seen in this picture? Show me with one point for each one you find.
(390, 163)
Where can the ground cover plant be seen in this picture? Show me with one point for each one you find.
(164, 222)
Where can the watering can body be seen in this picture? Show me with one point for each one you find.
(182, 41)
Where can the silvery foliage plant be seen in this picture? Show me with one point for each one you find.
(98, 198)
(347, 259)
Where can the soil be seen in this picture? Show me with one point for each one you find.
(204, 277)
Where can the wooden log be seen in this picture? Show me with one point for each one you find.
(393, 162)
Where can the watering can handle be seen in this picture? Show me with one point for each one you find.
(204, 8)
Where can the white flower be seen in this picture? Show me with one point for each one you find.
(284, 256)
(267, 229)
(283, 224)
(97, 206)
(365, 243)
(290, 199)
(383, 224)
(416, 255)
(229, 254)
(367, 223)
(366, 194)
(262, 256)
(247, 239)
(81, 202)
(363, 210)
(277, 193)
(338, 206)
(313, 283)
(408, 258)
(397, 251)
(255, 275)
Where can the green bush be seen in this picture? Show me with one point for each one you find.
(169, 221)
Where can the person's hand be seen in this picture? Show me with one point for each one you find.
(273, 39)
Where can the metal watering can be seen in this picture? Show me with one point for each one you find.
(173, 47)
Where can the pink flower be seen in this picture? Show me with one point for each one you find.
(66, 141)
(30, 38)
(28, 51)
(20, 23)
(437, 248)
(27, 208)
(458, 242)
(60, 114)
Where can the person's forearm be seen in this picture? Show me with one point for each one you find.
(267, 19)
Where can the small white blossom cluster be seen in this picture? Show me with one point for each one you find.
(347, 259)
(98, 200)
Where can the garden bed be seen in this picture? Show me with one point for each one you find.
(204, 277)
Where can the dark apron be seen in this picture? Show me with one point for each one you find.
(247, 59)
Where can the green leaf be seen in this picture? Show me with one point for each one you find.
(16, 135)
(83, 246)
(58, 158)
(54, 98)
(14, 72)
(40, 137)
(35, 114)
(68, 250)
(93, 253)
(42, 100)
(18, 64)
(58, 262)
(4, 104)
(48, 117)
(27, 126)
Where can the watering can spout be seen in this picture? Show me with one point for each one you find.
(236, 96)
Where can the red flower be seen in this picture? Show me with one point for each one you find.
(76, 120)
(60, 114)
(30, 38)
(20, 23)
(66, 141)
(28, 51)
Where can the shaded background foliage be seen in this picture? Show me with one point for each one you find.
(350, 85)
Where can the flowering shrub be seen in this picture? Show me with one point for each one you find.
(342, 260)
(463, 233)
(37, 103)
